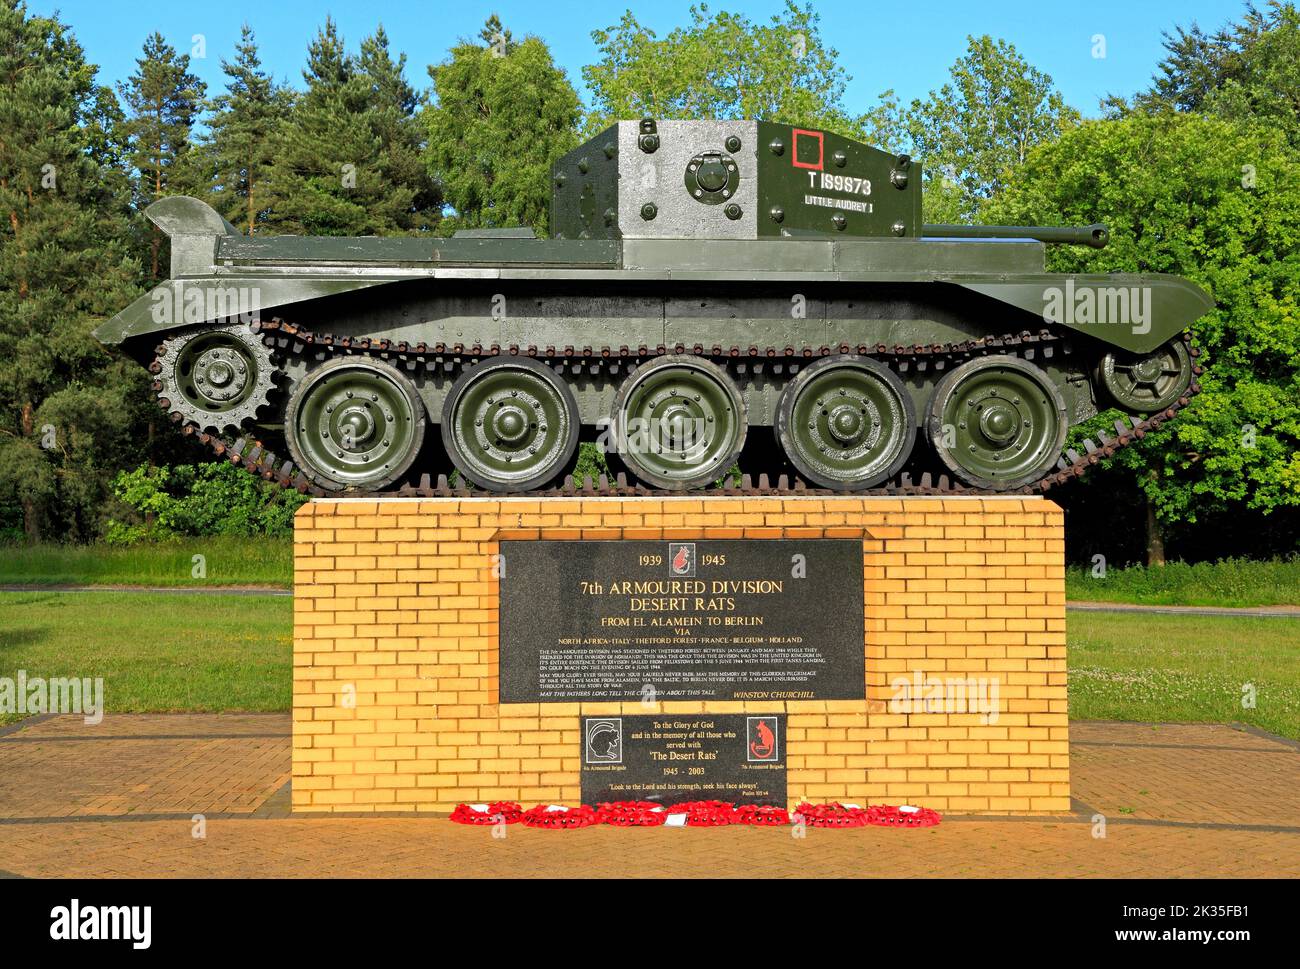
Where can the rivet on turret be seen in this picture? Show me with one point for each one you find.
(841, 221)
(776, 146)
(840, 159)
(898, 228)
(733, 211)
(649, 211)
(777, 213)
(610, 216)
(584, 166)
(732, 143)
(560, 180)
(610, 149)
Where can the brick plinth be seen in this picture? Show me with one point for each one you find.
(396, 651)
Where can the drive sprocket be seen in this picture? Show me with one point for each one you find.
(216, 377)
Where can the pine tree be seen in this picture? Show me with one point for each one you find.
(503, 113)
(164, 99)
(67, 407)
(412, 201)
(348, 161)
(237, 154)
(497, 37)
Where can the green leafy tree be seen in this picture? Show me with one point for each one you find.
(206, 499)
(502, 113)
(1246, 69)
(67, 410)
(972, 131)
(235, 158)
(350, 158)
(1172, 190)
(722, 65)
(163, 99)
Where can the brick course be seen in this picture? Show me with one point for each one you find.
(396, 651)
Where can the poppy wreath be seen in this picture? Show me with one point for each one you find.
(544, 816)
(631, 814)
(891, 817)
(504, 811)
(699, 814)
(833, 815)
(760, 815)
(704, 814)
(836, 815)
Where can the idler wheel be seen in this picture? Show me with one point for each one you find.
(510, 424)
(217, 377)
(846, 423)
(354, 425)
(1146, 383)
(678, 422)
(997, 422)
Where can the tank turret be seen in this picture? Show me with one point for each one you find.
(731, 180)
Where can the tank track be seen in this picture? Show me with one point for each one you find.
(286, 338)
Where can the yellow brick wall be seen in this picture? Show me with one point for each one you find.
(396, 652)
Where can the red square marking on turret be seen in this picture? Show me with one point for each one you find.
(794, 149)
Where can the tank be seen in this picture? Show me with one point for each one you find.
(720, 298)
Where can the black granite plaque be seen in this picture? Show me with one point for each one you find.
(671, 758)
(758, 619)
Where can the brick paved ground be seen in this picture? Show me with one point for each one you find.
(118, 800)
(144, 764)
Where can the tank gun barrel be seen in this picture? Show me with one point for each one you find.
(1095, 236)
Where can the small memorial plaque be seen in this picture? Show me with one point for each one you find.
(758, 619)
(671, 758)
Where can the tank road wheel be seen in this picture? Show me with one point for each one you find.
(678, 422)
(846, 423)
(217, 377)
(1147, 383)
(997, 422)
(354, 424)
(510, 424)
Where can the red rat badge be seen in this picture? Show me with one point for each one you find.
(682, 560)
(764, 742)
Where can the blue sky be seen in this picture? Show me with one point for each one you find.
(882, 44)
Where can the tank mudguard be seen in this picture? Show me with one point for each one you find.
(1136, 312)
(195, 294)
(182, 302)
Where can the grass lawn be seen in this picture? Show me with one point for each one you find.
(227, 561)
(1232, 582)
(157, 652)
(160, 652)
(1185, 668)
(269, 562)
